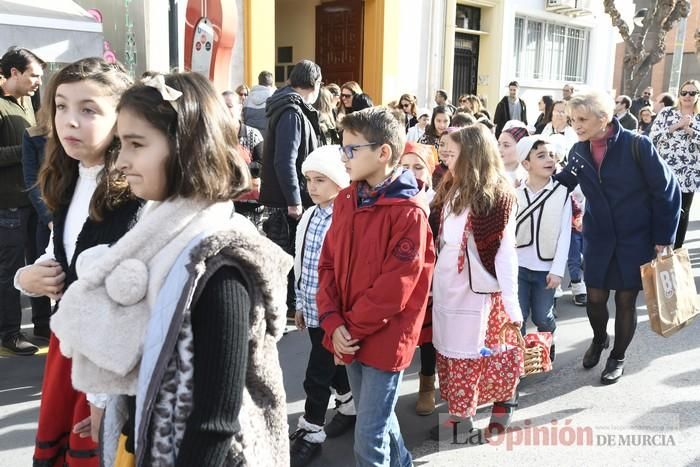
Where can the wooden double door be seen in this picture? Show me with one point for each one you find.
(339, 40)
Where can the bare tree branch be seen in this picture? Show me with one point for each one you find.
(617, 20)
(646, 45)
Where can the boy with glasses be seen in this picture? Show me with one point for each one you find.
(374, 278)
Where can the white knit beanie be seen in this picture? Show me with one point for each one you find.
(526, 144)
(326, 160)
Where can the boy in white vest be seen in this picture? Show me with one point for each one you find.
(325, 176)
(543, 233)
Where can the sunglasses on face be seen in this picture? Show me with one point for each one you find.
(462, 101)
(689, 93)
(243, 94)
(349, 149)
(346, 96)
(647, 94)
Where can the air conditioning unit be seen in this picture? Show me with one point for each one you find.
(569, 7)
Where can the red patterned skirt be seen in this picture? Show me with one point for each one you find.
(61, 408)
(461, 378)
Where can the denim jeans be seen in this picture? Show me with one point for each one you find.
(536, 299)
(378, 440)
(17, 244)
(575, 251)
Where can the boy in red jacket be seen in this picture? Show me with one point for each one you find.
(374, 277)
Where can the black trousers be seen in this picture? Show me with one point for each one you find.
(282, 229)
(686, 203)
(18, 246)
(321, 374)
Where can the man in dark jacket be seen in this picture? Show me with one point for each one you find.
(511, 107)
(622, 112)
(645, 100)
(292, 134)
(22, 71)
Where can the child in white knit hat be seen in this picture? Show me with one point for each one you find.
(325, 176)
(543, 232)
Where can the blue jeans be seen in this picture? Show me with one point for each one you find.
(378, 440)
(536, 299)
(575, 251)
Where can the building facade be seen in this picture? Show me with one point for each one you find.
(390, 47)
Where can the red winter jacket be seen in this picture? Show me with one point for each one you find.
(374, 273)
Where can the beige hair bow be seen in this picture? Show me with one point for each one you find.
(168, 94)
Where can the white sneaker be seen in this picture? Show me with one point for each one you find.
(578, 288)
(558, 292)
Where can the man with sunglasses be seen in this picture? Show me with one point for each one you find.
(622, 112)
(645, 100)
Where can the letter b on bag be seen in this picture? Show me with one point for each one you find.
(668, 282)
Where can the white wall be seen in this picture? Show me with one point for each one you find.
(421, 49)
(601, 51)
(236, 75)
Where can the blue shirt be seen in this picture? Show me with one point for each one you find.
(307, 286)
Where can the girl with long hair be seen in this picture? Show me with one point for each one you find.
(546, 105)
(475, 280)
(192, 298)
(326, 117)
(407, 104)
(91, 204)
(439, 123)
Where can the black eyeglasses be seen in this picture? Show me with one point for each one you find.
(243, 94)
(689, 93)
(346, 96)
(349, 149)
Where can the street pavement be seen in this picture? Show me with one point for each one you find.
(566, 418)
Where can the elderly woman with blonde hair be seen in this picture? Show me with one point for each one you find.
(632, 210)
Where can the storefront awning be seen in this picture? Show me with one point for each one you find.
(56, 30)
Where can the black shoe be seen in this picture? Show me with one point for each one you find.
(42, 333)
(301, 451)
(19, 345)
(580, 299)
(592, 355)
(339, 425)
(500, 421)
(613, 370)
(552, 352)
(447, 431)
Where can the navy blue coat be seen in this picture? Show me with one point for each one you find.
(32, 158)
(631, 205)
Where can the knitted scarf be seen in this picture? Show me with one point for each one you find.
(103, 315)
(487, 230)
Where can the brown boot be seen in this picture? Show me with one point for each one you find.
(426, 395)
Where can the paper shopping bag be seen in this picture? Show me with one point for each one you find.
(669, 292)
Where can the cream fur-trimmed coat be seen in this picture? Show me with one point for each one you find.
(104, 325)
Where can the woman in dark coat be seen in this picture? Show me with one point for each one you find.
(632, 210)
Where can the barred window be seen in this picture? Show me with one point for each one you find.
(549, 51)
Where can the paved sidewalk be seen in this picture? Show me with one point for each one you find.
(657, 402)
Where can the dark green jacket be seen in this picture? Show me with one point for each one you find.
(15, 117)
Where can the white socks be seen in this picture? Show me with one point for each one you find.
(315, 432)
(345, 404)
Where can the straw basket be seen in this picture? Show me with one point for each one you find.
(535, 351)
